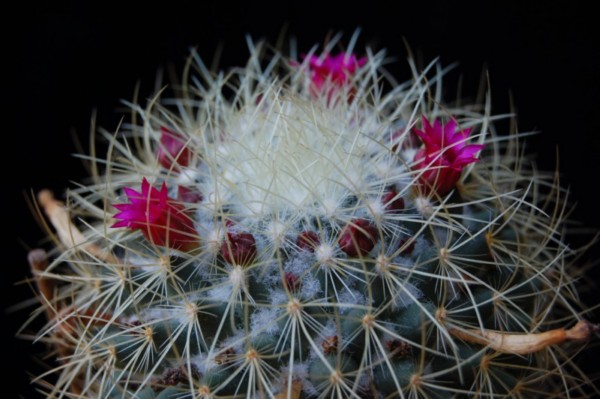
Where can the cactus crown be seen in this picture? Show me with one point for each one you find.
(291, 229)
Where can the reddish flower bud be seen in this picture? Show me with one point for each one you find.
(291, 281)
(172, 151)
(308, 240)
(358, 238)
(239, 248)
(162, 220)
(186, 194)
(407, 248)
(332, 72)
(392, 202)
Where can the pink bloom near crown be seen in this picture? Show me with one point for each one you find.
(161, 219)
(335, 69)
(444, 155)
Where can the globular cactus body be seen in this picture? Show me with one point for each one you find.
(310, 234)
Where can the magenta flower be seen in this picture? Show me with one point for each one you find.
(172, 151)
(445, 154)
(333, 70)
(162, 220)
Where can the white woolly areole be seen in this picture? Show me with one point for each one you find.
(187, 176)
(237, 278)
(276, 231)
(324, 254)
(376, 207)
(214, 238)
(382, 264)
(424, 206)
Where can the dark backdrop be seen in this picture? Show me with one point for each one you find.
(61, 61)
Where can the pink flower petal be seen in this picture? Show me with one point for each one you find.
(335, 71)
(173, 151)
(444, 154)
(162, 220)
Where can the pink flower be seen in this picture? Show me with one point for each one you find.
(335, 68)
(332, 70)
(162, 220)
(445, 154)
(172, 151)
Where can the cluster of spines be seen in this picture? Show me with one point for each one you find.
(355, 298)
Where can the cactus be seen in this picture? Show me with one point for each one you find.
(308, 227)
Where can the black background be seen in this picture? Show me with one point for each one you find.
(62, 61)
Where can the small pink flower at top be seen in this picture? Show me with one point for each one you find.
(172, 150)
(444, 155)
(332, 70)
(188, 195)
(162, 220)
